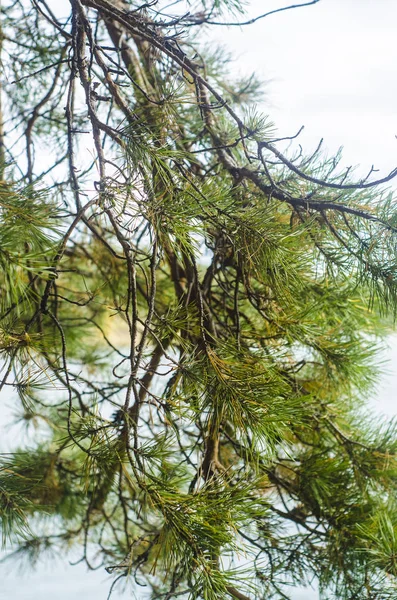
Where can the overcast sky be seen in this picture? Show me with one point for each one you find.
(333, 68)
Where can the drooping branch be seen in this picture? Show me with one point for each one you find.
(200, 20)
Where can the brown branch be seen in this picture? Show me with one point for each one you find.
(250, 21)
(236, 593)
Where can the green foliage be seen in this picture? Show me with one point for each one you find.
(28, 229)
(190, 319)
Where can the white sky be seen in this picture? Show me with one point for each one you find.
(333, 68)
